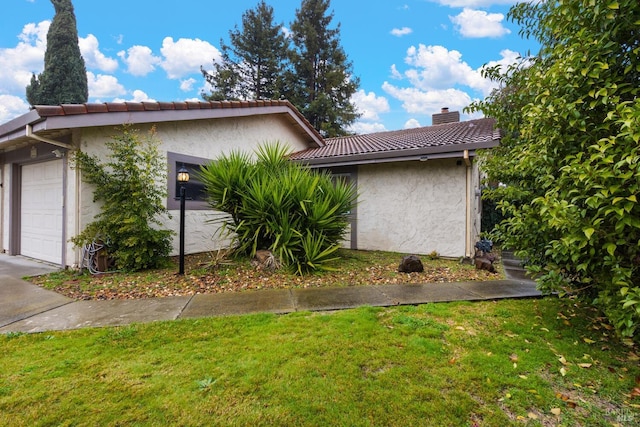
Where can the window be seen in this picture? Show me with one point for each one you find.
(195, 195)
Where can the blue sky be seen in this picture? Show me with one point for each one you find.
(412, 56)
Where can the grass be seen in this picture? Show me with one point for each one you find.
(513, 362)
(209, 273)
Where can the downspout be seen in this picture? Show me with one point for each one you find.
(30, 134)
(469, 192)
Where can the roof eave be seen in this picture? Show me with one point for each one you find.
(422, 154)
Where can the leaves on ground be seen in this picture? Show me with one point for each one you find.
(205, 274)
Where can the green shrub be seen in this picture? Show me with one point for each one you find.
(298, 214)
(127, 186)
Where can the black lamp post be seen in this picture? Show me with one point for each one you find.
(183, 178)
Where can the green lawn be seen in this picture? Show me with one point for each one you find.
(516, 362)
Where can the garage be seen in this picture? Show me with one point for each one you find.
(41, 210)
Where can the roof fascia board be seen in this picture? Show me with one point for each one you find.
(17, 125)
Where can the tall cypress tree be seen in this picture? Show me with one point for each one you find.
(322, 80)
(64, 78)
(252, 65)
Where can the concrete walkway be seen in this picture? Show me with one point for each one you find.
(25, 307)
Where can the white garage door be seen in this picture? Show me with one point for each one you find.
(41, 211)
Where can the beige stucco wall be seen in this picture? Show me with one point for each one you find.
(202, 138)
(413, 207)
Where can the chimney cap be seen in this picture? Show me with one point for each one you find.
(444, 110)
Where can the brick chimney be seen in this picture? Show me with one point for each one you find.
(445, 116)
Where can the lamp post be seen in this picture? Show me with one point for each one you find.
(183, 178)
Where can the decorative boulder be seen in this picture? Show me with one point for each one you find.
(265, 260)
(410, 264)
(485, 263)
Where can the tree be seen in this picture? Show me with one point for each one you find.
(252, 65)
(127, 186)
(64, 79)
(322, 80)
(569, 158)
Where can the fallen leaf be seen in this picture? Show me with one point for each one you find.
(524, 377)
(585, 365)
(562, 360)
(588, 341)
(635, 392)
(563, 371)
(513, 357)
(556, 411)
(532, 416)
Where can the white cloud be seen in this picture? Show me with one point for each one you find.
(137, 96)
(104, 86)
(475, 3)
(140, 60)
(439, 77)
(27, 58)
(93, 58)
(395, 74)
(12, 107)
(412, 124)
(286, 31)
(436, 67)
(509, 57)
(362, 128)
(399, 32)
(416, 101)
(369, 105)
(479, 24)
(187, 85)
(185, 56)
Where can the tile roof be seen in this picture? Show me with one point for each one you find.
(120, 107)
(452, 138)
(56, 120)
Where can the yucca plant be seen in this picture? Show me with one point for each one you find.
(298, 214)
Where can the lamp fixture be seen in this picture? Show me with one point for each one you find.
(183, 175)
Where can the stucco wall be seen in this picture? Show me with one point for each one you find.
(203, 138)
(412, 207)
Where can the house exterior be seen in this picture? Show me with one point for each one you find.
(418, 189)
(44, 202)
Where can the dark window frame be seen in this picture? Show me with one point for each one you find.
(175, 161)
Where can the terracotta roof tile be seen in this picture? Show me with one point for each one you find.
(445, 136)
(74, 109)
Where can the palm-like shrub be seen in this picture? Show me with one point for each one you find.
(271, 203)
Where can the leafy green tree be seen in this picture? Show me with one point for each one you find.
(64, 79)
(569, 156)
(322, 81)
(132, 200)
(271, 203)
(253, 64)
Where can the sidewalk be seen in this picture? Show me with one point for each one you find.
(25, 307)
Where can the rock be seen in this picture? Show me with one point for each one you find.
(265, 260)
(410, 264)
(484, 263)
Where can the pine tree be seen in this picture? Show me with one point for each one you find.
(64, 79)
(252, 65)
(322, 80)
